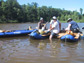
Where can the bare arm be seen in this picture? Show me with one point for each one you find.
(52, 28)
(50, 25)
(68, 28)
(39, 25)
(59, 25)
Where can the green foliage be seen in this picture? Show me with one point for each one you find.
(12, 12)
(81, 11)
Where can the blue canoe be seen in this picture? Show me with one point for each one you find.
(15, 33)
(68, 38)
(82, 27)
(36, 35)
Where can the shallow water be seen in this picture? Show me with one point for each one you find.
(25, 50)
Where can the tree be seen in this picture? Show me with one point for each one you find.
(12, 11)
(81, 11)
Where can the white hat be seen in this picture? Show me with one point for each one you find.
(54, 17)
(41, 18)
(69, 19)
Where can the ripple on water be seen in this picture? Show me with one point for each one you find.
(24, 50)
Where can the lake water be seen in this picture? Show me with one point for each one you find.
(25, 50)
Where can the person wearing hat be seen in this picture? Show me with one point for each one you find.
(54, 26)
(72, 26)
(41, 26)
(40, 23)
(51, 22)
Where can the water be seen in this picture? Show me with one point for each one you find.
(25, 50)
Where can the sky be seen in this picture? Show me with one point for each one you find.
(72, 5)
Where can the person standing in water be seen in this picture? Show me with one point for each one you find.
(54, 26)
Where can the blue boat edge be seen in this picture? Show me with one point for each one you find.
(36, 35)
(69, 38)
(15, 33)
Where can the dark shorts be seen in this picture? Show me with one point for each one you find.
(54, 34)
(75, 30)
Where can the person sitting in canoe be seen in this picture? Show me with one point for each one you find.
(76, 35)
(54, 26)
(5, 31)
(72, 29)
(41, 26)
(2, 30)
(29, 28)
(40, 23)
(73, 26)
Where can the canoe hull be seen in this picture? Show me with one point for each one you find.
(68, 38)
(15, 33)
(35, 35)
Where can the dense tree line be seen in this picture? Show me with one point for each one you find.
(11, 11)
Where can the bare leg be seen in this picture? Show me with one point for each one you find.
(50, 38)
(77, 36)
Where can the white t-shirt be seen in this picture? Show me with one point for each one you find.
(51, 22)
(56, 27)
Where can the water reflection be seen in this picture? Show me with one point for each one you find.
(25, 50)
(55, 47)
(11, 46)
